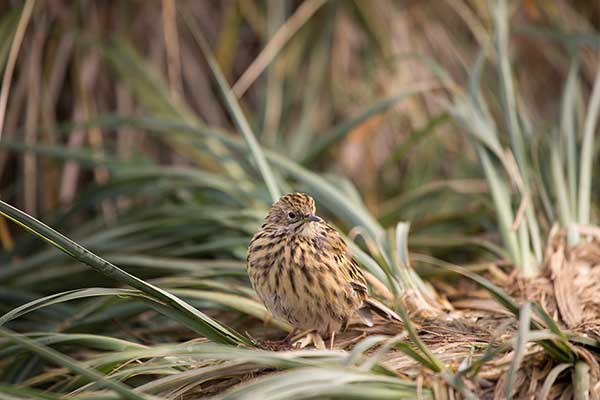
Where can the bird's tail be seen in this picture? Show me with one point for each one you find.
(371, 304)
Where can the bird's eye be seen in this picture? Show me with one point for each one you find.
(291, 215)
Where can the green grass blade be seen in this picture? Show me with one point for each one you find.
(72, 365)
(531, 229)
(550, 323)
(212, 351)
(474, 114)
(97, 342)
(8, 392)
(432, 362)
(415, 355)
(320, 383)
(501, 197)
(236, 111)
(404, 271)
(501, 20)
(239, 303)
(560, 187)
(567, 126)
(194, 376)
(581, 381)
(519, 348)
(199, 321)
(587, 153)
(58, 298)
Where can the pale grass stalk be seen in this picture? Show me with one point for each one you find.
(306, 10)
(32, 113)
(70, 172)
(52, 87)
(169, 19)
(86, 77)
(471, 20)
(12, 59)
(274, 89)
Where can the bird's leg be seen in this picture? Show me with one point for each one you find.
(332, 340)
(311, 337)
(317, 340)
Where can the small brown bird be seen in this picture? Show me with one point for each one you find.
(303, 272)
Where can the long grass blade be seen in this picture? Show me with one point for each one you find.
(519, 349)
(568, 131)
(531, 229)
(433, 362)
(12, 59)
(560, 187)
(581, 381)
(8, 392)
(324, 383)
(236, 111)
(198, 320)
(72, 365)
(97, 342)
(501, 197)
(302, 14)
(587, 153)
(58, 298)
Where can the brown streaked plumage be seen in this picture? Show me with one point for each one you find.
(303, 272)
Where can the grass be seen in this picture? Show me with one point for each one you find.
(151, 168)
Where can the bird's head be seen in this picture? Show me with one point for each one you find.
(293, 211)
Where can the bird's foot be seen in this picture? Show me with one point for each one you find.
(307, 338)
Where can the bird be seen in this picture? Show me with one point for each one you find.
(303, 272)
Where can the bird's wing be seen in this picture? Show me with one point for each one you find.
(345, 262)
(357, 279)
(351, 272)
(381, 309)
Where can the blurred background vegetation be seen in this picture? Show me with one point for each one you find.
(346, 88)
(119, 129)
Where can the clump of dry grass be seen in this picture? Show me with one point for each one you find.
(567, 288)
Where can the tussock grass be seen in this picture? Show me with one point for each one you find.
(150, 168)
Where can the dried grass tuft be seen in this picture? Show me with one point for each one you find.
(569, 287)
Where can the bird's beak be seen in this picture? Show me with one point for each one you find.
(313, 217)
